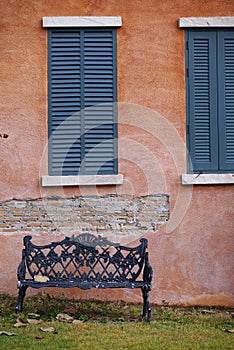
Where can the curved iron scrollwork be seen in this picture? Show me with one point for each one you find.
(70, 259)
(89, 239)
(84, 261)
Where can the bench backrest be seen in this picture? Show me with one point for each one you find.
(71, 260)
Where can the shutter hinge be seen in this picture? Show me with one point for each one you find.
(187, 45)
(187, 72)
(188, 129)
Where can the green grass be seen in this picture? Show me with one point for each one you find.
(114, 325)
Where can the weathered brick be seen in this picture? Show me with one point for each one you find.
(10, 219)
(107, 214)
(34, 224)
(28, 219)
(3, 209)
(3, 225)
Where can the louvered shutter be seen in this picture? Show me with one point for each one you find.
(99, 102)
(82, 92)
(201, 99)
(226, 99)
(64, 102)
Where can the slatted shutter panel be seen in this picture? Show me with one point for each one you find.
(226, 99)
(99, 102)
(64, 102)
(82, 92)
(201, 98)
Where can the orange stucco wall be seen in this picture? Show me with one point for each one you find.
(192, 254)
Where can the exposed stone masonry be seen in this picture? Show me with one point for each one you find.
(103, 215)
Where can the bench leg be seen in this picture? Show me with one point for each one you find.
(146, 304)
(21, 295)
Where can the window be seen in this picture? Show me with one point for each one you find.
(82, 96)
(210, 100)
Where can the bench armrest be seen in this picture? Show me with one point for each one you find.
(148, 271)
(21, 271)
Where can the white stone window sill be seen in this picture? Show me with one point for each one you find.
(82, 21)
(82, 180)
(206, 22)
(207, 179)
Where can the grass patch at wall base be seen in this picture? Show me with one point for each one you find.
(113, 325)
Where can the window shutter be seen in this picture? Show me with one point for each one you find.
(201, 99)
(100, 129)
(82, 92)
(226, 99)
(64, 102)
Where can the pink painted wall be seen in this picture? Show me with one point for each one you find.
(192, 254)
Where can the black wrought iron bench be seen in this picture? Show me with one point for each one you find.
(85, 261)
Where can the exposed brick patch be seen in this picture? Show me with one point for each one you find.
(103, 215)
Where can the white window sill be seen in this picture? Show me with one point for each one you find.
(207, 179)
(82, 180)
(82, 21)
(208, 22)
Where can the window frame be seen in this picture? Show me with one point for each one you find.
(83, 23)
(205, 23)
